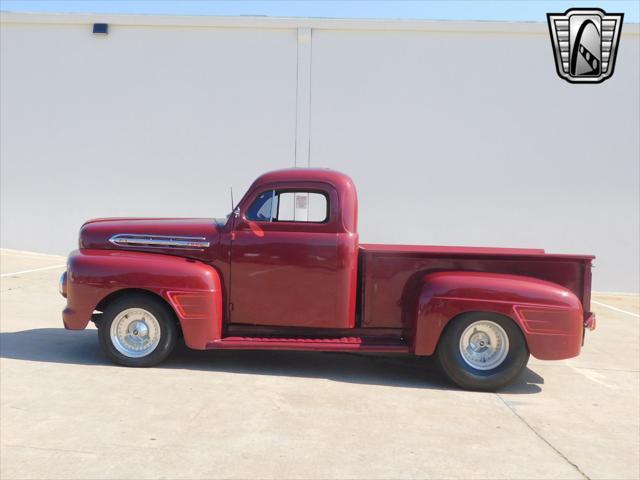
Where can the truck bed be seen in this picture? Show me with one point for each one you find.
(390, 275)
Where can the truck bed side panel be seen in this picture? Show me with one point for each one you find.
(392, 280)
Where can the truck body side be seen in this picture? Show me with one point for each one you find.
(247, 283)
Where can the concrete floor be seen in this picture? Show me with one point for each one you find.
(66, 412)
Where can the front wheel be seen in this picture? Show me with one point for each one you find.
(137, 331)
(482, 351)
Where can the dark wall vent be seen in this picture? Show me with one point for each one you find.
(101, 28)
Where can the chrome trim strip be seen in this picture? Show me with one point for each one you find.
(158, 241)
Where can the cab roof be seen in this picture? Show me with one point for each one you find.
(333, 177)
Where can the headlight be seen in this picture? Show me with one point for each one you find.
(62, 286)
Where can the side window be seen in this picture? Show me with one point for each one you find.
(302, 207)
(263, 208)
(289, 206)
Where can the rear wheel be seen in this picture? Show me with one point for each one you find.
(482, 351)
(137, 331)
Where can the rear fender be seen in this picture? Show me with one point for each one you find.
(191, 288)
(549, 315)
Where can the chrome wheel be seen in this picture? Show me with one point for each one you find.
(135, 332)
(484, 345)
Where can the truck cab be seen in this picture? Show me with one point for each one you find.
(294, 251)
(285, 270)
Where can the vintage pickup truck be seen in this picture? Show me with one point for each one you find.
(285, 271)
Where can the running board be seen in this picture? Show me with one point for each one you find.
(349, 344)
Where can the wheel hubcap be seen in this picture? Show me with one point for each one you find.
(135, 332)
(484, 345)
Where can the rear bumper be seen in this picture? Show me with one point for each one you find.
(589, 324)
(590, 321)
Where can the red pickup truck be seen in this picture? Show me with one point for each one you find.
(285, 271)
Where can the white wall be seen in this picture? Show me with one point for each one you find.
(455, 133)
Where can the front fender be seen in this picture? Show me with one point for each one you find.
(549, 315)
(191, 288)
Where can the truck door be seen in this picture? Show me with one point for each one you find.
(284, 257)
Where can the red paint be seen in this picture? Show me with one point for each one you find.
(259, 276)
(95, 274)
(313, 344)
(95, 234)
(549, 315)
(295, 273)
(190, 305)
(399, 275)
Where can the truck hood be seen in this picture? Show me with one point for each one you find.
(185, 237)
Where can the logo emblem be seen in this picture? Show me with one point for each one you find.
(585, 43)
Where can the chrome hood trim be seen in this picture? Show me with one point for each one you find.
(159, 241)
